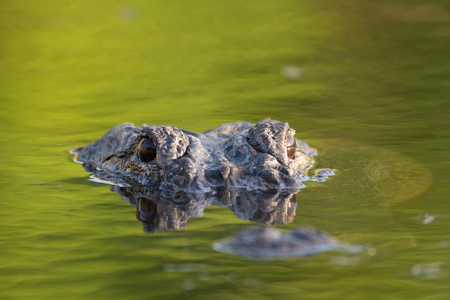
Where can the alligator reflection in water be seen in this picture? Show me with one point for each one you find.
(162, 210)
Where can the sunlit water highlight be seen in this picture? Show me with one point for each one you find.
(365, 82)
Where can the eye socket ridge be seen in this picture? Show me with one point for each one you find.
(147, 150)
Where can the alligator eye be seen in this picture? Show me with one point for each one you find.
(147, 150)
(291, 146)
(291, 152)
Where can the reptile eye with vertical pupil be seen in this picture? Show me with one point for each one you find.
(147, 150)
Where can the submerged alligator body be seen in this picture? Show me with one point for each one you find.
(257, 156)
(271, 243)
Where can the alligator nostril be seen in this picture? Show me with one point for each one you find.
(147, 150)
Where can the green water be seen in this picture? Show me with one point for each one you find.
(368, 82)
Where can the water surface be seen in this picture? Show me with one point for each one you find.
(366, 82)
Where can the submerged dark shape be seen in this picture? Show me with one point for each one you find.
(163, 210)
(257, 156)
(270, 243)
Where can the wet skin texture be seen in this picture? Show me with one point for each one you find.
(264, 155)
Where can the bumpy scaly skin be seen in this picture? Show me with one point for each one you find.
(238, 154)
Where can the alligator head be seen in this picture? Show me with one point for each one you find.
(264, 155)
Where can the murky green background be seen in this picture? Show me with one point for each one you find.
(368, 82)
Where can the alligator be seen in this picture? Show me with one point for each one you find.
(257, 156)
(172, 174)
